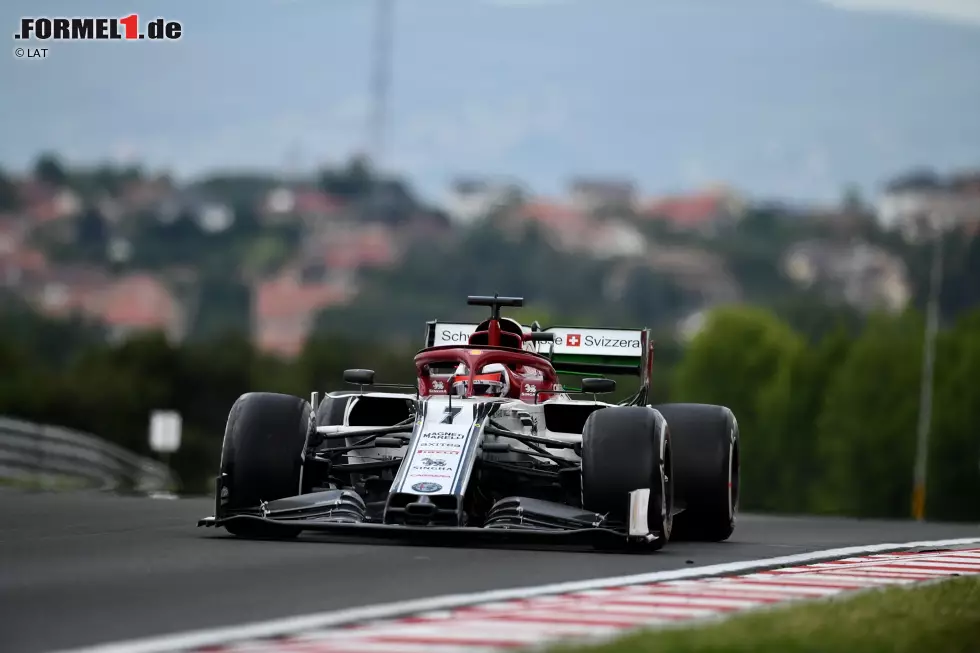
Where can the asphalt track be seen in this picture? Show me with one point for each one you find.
(80, 569)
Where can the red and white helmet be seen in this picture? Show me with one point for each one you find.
(492, 381)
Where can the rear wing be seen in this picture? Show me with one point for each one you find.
(576, 350)
(598, 351)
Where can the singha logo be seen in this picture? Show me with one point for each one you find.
(432, 462)
(438, 385)
(528, 389)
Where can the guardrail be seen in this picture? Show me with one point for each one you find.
(52, 457)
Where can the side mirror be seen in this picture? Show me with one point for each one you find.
(359, 377)
(598, 386)
(539, 336)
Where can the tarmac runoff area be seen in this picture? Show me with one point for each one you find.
(81, 570)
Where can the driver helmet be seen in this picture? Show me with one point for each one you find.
(492, 381)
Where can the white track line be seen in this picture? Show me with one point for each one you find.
(322, 620)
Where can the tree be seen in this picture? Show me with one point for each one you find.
(961, 291)
(852, 201)
(49, 169)
(813, 316)
(866, 432)
(790, 407)
(734, 361)
(954, 458)
(354, 181)
(651, 296)
(92, 234)
(9, 197)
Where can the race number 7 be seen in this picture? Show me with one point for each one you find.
(449, 415)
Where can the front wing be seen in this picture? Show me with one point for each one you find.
(515, 520)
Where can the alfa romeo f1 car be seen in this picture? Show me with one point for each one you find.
(489, 444)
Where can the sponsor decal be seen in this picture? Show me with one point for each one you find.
(438, 385)
(615, 343)
(441, 452)
(476, 352)
(426, 487)
(433, 462)
(528, 389)
(443, 435)
(426, 471)
(589, 340)
(448, 335)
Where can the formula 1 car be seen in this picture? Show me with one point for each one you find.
(488, 445)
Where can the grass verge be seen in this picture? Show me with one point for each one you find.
(32, 483)
(940, 618)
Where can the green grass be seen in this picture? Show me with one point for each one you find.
(59, 484)
(936, 618)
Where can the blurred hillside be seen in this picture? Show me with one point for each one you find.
(348, 252)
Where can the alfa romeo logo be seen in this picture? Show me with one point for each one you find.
(426, 487)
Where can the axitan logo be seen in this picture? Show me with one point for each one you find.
(124, 28)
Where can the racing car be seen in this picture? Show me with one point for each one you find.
(488, 444)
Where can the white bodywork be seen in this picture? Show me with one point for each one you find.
(441, 445)
(436, 461)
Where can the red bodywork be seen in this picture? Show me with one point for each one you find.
(531, 375)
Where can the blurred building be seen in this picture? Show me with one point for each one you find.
(570, 229)
(697, 271)
(867, 277)
(601, 195)
(704, 211)
(140, 302)
(125, 305)
(470, 199)
(305, 204)
(916, 204)
(285, 308)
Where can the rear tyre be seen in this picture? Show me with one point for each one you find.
(261, 456)
(626, 449)
(706, 468)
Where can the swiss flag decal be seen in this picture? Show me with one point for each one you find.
(573, 340)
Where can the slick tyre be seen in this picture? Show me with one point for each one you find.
(706, 470)
(261, 456)
(626, 449)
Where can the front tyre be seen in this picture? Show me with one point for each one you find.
(261, 456)
(626, 449)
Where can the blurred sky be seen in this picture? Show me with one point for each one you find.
(792, 98)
